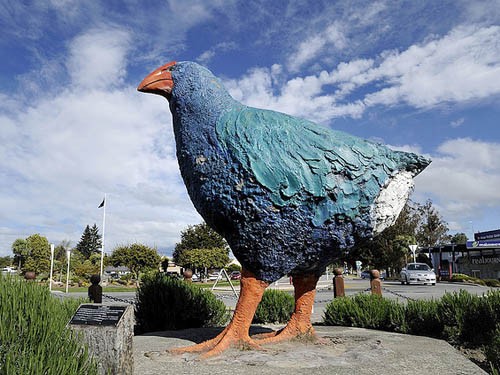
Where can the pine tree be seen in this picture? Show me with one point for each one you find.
(90, 241)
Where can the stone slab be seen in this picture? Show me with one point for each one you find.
(340, 350)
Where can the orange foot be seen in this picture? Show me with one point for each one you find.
(236, 333)
(299, 326)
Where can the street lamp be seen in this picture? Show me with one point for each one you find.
(413, 249)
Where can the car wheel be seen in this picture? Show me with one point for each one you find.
(402, 282)
(433, 284)
(407, 282)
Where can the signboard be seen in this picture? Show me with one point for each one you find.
(476, 244)
(445, 270)
(485, 259)
(489, 235)
(98, 315)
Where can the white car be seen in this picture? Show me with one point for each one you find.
(417, 273)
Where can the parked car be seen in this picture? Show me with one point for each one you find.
(417, 273)
(213, 276)
(365, 274)
(235, 275)
(8, 270)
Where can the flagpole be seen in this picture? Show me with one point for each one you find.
(103, 229)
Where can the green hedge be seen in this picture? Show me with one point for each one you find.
(166, 303)
(460, 318)
(34, 338)
(276, 306)
(366, 311)
(460, 277)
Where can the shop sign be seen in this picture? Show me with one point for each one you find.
(485, 259)
(489, 235)
(477, 244)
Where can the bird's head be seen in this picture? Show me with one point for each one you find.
(195, 84)
(159, 81)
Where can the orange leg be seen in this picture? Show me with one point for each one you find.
(236, 333)
(300, 321)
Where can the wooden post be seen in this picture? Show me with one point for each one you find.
(338, 283)
(375, 283)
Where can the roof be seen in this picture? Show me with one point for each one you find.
(116, 269)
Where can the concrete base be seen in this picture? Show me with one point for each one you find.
(340, 350)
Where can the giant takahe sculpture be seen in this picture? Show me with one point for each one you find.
(288, 195)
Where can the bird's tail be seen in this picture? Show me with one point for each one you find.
(411, 162)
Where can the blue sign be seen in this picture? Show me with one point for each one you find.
(483, 244)
(489, 235)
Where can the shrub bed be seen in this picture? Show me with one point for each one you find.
(34, 338)
(460, 318)
(365, 311)
(276, 306)
(166, 303)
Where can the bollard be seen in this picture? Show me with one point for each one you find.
(338, 283)
(375, 283)
(95, 290)
(188, 275)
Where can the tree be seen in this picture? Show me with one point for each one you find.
(137, 257)
(61, 249)
(199, 236)
(20, 250)
(432, 229)
(38, 258)
(5, 261)
(204, 258)
(90, 241)
(459, 239)
(387, 250)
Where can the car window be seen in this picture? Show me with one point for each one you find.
(411, 267)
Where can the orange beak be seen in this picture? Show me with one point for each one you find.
(159, 81)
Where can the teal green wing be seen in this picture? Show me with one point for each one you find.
(300, 162)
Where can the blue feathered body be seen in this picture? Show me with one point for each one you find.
(288, 195)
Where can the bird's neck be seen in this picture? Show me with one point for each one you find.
(195, 119)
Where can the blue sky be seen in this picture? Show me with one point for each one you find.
(417, 75)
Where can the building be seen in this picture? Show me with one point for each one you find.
(479, 258)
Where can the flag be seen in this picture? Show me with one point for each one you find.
(102, 203)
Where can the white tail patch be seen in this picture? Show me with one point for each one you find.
(391, 201)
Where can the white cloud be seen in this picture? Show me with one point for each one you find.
(457, 123)
(302, 97)
(463, 65)
(209, 54)
(332, 37)
(97, 58)
(463, 179)
(60, 153)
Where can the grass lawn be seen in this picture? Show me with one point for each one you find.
(120, 288)
(105, 289)
(236, 283)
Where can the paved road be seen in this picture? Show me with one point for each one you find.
(324, 295)
(391, 289)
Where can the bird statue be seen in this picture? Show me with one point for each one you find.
(288, 195)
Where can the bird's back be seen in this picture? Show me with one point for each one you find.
(288, 195)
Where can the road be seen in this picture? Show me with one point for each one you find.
(390, 289)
